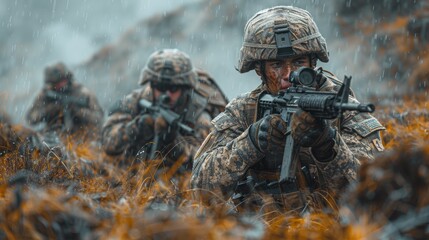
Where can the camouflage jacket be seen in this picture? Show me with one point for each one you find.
(121, 135)
(51, 111)
(228, 155)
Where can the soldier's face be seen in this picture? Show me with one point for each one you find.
(277, 72)
(173, 92)
(62, 85)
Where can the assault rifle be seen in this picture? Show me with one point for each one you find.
(66, 101)
(302, 95)
(173, 119)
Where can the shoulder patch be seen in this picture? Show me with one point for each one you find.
(378, 144)
(367, 126)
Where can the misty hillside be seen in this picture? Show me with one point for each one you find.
(106, 45)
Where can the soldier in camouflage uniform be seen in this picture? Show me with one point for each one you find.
(132, 130)
(64, 104)
(241, 145)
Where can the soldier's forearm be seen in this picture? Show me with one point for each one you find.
(42, 113)
(342, 170)
(222, 166)
(114, 140)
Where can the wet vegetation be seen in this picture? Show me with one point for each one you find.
(69, 189)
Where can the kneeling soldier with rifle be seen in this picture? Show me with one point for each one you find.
(168, 117)
(296, 138)
(64, 104)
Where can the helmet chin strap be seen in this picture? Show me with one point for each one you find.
(262, 71)
(313, 60)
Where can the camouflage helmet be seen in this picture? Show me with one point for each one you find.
(279, 32)
(57, 72)
(169, 66)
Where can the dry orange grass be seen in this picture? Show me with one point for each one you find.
(75, 191)
(84, 196)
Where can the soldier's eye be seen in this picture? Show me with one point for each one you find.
(299, 63)
(276, 64)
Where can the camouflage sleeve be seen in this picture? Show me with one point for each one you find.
(224, 157)
(362, 135)
(93, 113)
(359, 141)
(120, 131)
(42, 110)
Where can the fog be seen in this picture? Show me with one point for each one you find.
(36, 33)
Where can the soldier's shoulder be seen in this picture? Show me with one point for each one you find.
(242, 100)
(362, 123)
(80, 89)
(210, 90)
(239, 112)
(229, 117)
(129, 103)
(332, 77)
(136, 94)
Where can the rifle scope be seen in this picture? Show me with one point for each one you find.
(304, 76)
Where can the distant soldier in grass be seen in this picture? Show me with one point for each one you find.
(169, 116)
(64, 104)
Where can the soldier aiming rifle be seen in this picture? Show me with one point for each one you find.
(171, 118)
(65, 104)
(171, 112)
(322, 155)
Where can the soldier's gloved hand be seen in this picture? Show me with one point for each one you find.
(145, 126)
(52, 111)
(308, 131)
(268, 134)
(166, 132)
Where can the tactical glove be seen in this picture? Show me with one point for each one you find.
(308, 131)
(145, 126)
(166, 132)
(268, 134)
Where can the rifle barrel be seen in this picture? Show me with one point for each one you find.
(356, 107)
